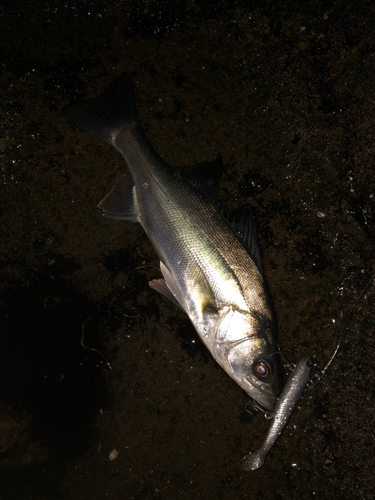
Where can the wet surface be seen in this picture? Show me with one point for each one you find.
(284, 93)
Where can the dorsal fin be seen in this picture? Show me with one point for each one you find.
(204, 176)
(244, 227)
(119, 203)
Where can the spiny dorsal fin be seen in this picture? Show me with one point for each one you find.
(244, 227)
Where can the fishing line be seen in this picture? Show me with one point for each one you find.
(107, 363)
(318, 376)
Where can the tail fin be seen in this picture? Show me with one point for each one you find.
(105, 115)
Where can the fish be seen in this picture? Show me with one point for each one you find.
(284, 409)
(209, 259)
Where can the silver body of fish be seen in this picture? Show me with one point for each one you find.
(206, 269)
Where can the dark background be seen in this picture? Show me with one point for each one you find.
(284, 92)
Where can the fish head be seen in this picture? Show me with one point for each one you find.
(246, 349)
(258, 374)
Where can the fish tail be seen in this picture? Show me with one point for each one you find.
(105, 115)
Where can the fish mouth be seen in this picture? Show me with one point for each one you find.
(266, 403)
(264, 394)
(264, 391)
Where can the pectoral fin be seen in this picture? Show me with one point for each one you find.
(161, 287)
(168, 287)
(200, 292)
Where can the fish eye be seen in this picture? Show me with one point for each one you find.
(263, 369)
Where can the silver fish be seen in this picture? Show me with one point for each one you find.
(207, 270)
(285, 406)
